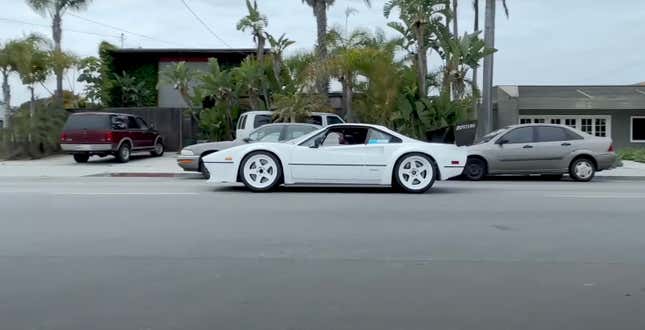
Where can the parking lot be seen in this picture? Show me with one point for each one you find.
(176, 253)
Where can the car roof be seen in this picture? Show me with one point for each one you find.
(103, 114)
(290, 124)
(536, 124)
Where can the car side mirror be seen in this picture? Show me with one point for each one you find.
(317, 143)
(151, 127)
(246, 140)
(502, 142)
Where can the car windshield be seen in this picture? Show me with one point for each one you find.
(491, 135)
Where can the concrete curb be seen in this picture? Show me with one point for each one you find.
(146, 175)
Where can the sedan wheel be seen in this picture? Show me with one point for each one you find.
(475, 169)
(415, 173)
(582, 169)
(261, 171)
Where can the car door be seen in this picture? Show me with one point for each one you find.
(135, 133)
(514, 151)
(339, 158)
(148, 135)
(552, 147)
(379, 148)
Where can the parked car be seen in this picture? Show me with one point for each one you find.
(190, 158)
(552, 150)
(251, 120)
(345, 154)
(102, 134)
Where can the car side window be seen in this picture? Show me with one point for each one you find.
(142, 123)
(266, 134)
(132, 123)
(241, 122)
(294, 132)
(345, 136)
(378, 137)
(119, 123)
(261, 120)
(519, 135)
(331, 120)
(316, 120)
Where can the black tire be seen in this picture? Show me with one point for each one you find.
(203, 170)
(81, 158)
(158, 150)
(123, 154)
(270, 186)
(403, 187)
(553, 177)
(582, 169)
(475, 169)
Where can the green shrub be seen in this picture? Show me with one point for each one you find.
(633, 154)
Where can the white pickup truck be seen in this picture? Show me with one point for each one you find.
(251, 120)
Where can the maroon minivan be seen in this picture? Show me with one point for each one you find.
(102, 134)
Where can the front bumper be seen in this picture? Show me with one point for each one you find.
(606, 161)
(188, 163)
(82, 148)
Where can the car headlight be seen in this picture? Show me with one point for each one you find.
(187, 152)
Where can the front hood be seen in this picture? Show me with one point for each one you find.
(201, 147)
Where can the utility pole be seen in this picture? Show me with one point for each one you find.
(487, 92)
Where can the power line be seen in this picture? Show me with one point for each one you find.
(123, 30)
(204, 24)
(15, 21)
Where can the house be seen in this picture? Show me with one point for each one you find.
(138, 60)
(613, 111)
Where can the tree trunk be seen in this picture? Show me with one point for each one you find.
(476, 70)
(422, 71)
(6, 96)
(58, 35)
(260, 50)
(320, 11)
(348, 96)
(489, 39)
(455, 19)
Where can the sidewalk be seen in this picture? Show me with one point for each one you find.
(629, 170)
(65, 166)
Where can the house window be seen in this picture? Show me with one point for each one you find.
(525, 121)
(571, 122)
(600, 127)
(539, 121)
(556, 121)
(638, 129)
(586, 125)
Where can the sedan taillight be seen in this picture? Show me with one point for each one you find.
(611, 148)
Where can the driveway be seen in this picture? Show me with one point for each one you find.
(65, 166)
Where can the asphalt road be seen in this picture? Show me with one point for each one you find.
(123, 253)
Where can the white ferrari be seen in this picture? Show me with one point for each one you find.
(344, 154)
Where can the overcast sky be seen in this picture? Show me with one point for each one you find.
(543, 42)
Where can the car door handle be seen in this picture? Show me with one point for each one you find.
(566, 144)
(528, 146)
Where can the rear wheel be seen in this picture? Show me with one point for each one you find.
(415, 173)
(81, 158)
(582, 169)
(261, 171)
(123, 154)
(204, 170)
(475, 169)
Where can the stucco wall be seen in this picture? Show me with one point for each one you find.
(169, 97)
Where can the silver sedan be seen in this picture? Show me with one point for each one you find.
(552, 150)
(190, 158)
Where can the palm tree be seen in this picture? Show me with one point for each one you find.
(489, 39)
(180, 76)
(421, 19)
(7, 66)
(55, 9)
(256, 22)
(251, 79)
(320, 12)
(278, 47)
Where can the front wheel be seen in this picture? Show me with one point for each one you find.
(475, 169)
(158, 150)
(415, 173)
(582, 169)
(261, 171)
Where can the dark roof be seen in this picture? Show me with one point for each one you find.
(184, 51)
(578, 97)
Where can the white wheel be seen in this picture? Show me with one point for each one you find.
(415, 173)
(261, 171)
(582, 169)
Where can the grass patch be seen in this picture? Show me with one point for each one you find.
(633, 154)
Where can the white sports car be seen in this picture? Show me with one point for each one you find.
(344, 154)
